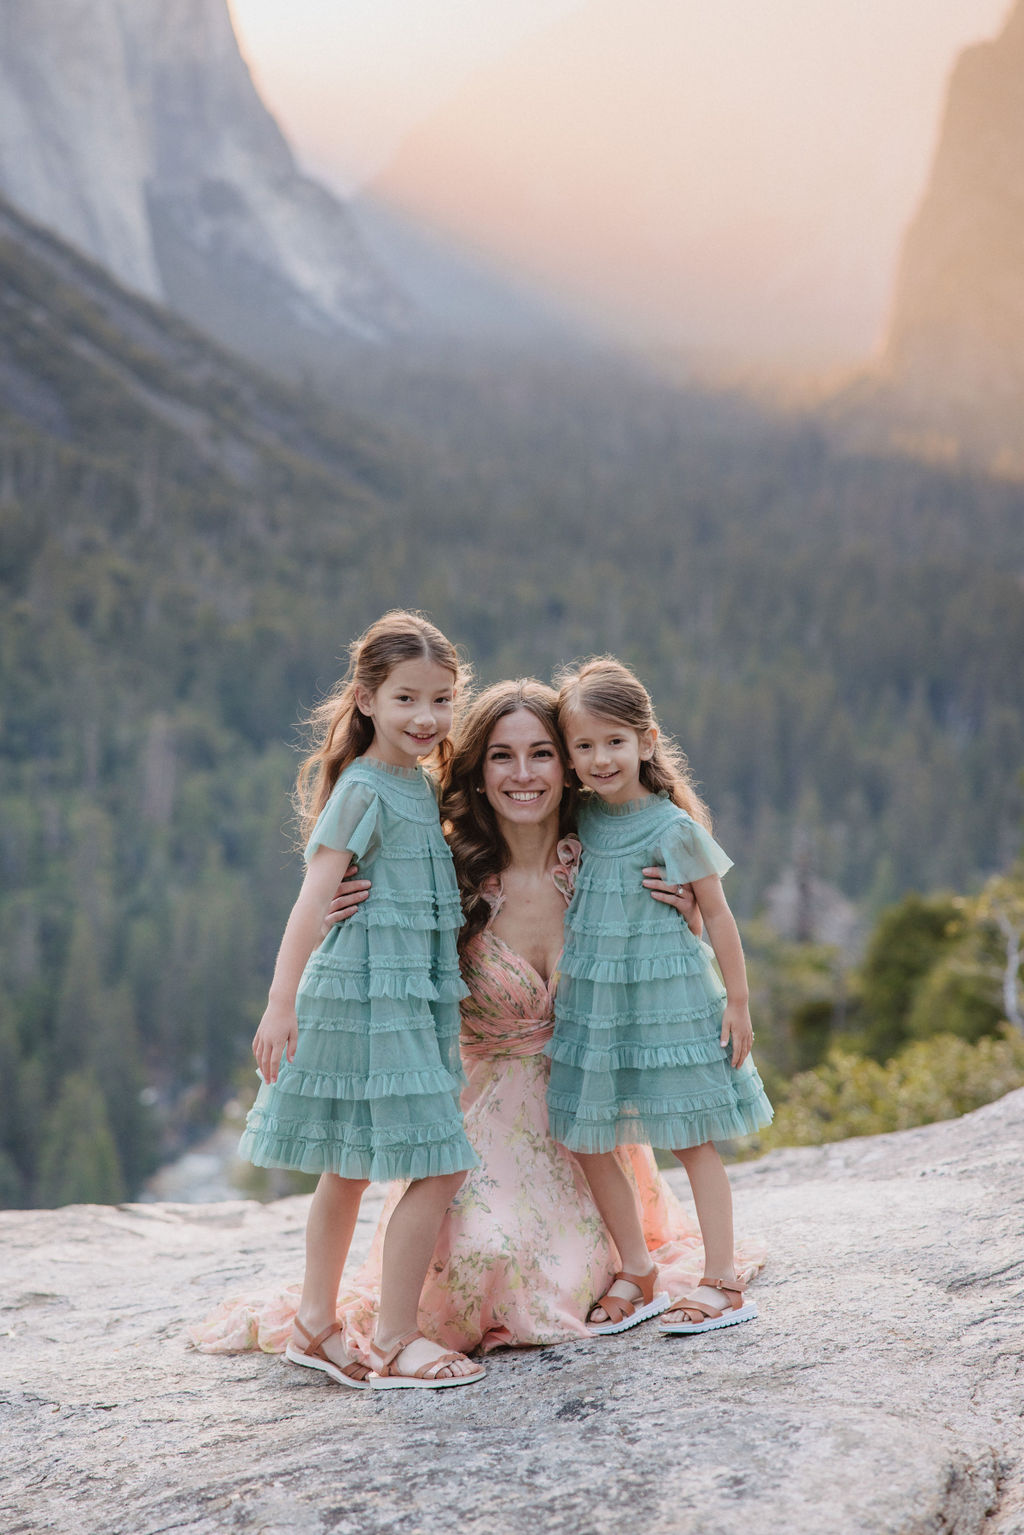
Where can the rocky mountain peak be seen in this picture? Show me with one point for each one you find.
(954, 356)
(132, 129)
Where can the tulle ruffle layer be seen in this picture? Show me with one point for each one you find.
(348, 981)
(588, 1057)
(629, 969)
(668, 1106)
(377, 1140)
(351, 1059)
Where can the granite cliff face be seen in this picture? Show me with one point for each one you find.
(132, 129)
(953, 366)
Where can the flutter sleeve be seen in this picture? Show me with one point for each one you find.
(687, 852)
(348, 820)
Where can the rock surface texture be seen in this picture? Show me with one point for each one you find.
(878, 1392)
(954, 357)
(132, 129)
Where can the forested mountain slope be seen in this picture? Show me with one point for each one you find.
(187, 548)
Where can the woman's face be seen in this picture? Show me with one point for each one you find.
(523, 776)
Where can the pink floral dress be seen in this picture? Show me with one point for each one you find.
(522, 1253)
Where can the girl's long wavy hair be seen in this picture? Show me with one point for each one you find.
(603, 686)
(474, 834)
(339, 731)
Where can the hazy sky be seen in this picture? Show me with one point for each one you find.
(735, 176)
(348, 78)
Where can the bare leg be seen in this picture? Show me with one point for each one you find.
(408, 1248)
(616, 1205)
(712, 1196)
(332, 1220)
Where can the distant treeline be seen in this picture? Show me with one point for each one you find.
(834, 640)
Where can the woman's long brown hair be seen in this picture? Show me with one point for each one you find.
(474, 835)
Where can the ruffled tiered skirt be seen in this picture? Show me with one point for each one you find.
(636, 1053)
(373, 1089)
(522, 1253)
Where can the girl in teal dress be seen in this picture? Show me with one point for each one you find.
(649, 1045)
(359, 1045)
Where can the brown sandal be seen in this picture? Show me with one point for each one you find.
(706, 1317)
(621, 1313)
(312, 1356)
(385, 1377)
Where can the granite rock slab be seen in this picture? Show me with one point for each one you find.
(878, 1393)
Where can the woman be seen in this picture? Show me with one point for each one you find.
(523, 1251)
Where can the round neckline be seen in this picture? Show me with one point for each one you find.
(629, 807)
(410, 774)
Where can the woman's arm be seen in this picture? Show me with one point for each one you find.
(679, 896)
(724, 938)
(348, 897)
(278, 1032)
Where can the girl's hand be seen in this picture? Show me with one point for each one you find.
(278, 1034)
(348, 896)
(736, 1026)
(679, 896)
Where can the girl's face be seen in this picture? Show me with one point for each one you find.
(523, 776)
(607, 755)
(411, 712)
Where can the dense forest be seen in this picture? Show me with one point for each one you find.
(186, 548)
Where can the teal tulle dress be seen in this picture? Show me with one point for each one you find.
(636, 1053)
(373, 1089)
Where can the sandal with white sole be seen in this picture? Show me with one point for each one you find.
(706, 1318)
(386, 1378)
(312, 1357)
(621, 1313)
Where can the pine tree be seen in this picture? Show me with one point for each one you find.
(78, 1162)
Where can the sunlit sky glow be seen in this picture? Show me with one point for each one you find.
(734, 176)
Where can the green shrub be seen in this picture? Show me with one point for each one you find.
(938, 1078)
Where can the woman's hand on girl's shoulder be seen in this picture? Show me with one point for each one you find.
(277, 1035)
(347, 898)
(679, 896)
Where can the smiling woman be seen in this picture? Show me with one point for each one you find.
(523, 1251)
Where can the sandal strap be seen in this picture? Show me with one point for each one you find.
(314, 1347)
(388, 1359)
(727, 1287)
(617, 1307)
(429, 1370)
(426, 1371)
(644, 1282)
(724, 1287)
(685, 1303)
(353, 1368)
